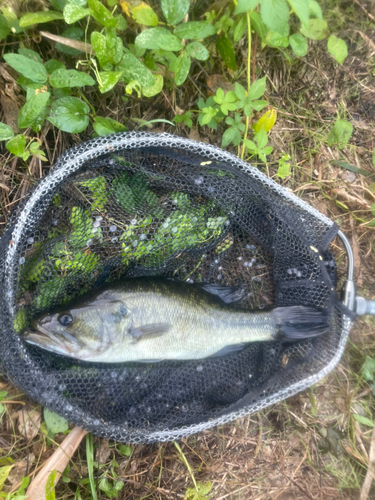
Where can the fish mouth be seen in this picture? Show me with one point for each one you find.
(39, 336)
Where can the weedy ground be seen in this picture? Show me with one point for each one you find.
(319, 443)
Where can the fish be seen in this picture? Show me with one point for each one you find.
(155, 319)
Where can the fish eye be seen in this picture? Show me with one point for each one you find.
(65, 320)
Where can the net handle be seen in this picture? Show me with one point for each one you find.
(348, 295)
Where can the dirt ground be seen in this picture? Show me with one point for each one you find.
(309, 446)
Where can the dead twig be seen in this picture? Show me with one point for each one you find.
(370, 474)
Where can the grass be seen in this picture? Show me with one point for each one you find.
(309, 446)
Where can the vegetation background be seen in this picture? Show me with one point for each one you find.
(290, 87)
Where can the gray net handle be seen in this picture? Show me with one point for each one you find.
(359, 305)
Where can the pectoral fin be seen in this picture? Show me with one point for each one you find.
(152, 330)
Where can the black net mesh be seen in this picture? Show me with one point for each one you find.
(138, 204)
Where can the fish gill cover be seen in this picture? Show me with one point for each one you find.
(136, 204)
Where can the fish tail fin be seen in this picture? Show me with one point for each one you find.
(299, 322)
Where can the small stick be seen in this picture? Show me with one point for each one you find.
(364, 10)
(59, 460)
(370, 474)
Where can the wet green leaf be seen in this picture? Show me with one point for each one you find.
(174, 10)
(4, 473)
(50, 486)
(108, 80)
(102, 14)
(299, 44)
(16, 145)
(73, 13)
(368, 369)
(54, 422)
(31, 54)
(275, 14)
(33, 107)
(316, 30)
(154, 38)
(33, 70)
(105, 126)
(245, 6)
(154, 89)
(144, 14)
(69, 114)
(126, 451)
(74, 33)
(239, 28)
(134, 69)
(226, 50)
(302, 9)
(315, 9)
(52, 65)
(62, 78)
(337, 48)
(197, 50)
(194, 30)
(5, 132)
(44, 16)
(258, 25)
(182, 68)
(4, 28)
(275, 39)
(340, 134)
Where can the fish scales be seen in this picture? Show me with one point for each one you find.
(150, 319)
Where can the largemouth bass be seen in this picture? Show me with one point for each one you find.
(150, 319)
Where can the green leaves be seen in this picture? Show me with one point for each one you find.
(73, 13)
(233, 134)
(45, 16)
(5, 132)
(275, 14)
(105, 126)
(248, 101)
(158, 38)
(4, 28)
(108, 79)
(284, 166)
(316, 30)
(33, 70)
(260, 148)
(98, 192)
(108, 48)
(245, 6)
(32, 109)
(70, 78)
(4, 473)
(182, 67)
(69, 114)
(226, 101)
(54, 422)
(50, 486)
(101, 14)
(134, 69)
(337, 48)
(16, 145)
(299, 44)
(197, 51)
(194, 30)
(302, 9)
(226, 50)
(174, 10)
(363, 420)
(144, 14)
(340, 134)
